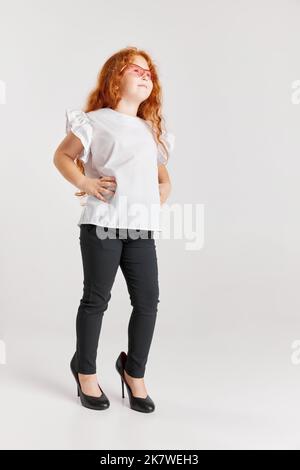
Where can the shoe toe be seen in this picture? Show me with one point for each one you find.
(145, 405)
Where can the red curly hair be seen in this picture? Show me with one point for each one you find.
(106, 94)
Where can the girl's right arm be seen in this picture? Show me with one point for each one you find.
(64, 156)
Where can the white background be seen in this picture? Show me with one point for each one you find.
(220, 368)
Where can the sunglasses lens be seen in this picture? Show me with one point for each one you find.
(139, 71)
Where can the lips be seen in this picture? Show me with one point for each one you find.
(144, 86)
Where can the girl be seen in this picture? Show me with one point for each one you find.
(116, 152)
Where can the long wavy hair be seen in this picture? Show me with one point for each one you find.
(106, 94)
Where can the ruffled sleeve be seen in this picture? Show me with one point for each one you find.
(169, 140)
(79, 123)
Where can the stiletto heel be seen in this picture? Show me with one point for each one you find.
(94, 403)
(145, 405)
(122, 382)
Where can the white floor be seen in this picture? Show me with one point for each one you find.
(234, 389)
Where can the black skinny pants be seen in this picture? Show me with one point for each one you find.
(101, 258)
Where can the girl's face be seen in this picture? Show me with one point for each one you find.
(136, 83)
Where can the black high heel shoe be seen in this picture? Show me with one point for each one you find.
(94, 403)
(145, 405)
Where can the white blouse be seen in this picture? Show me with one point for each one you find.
(120, 145)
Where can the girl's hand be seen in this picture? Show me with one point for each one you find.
(102, 188)
(164, 191)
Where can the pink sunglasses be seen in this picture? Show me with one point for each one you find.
(137, 70)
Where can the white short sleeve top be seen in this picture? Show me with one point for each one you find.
(120, 145)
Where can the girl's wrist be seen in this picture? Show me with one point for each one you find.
(80, 183)
(164, 191)
(166, 186)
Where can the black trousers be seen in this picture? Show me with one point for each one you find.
(101, 256)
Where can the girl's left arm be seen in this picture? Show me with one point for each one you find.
(164, 182)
